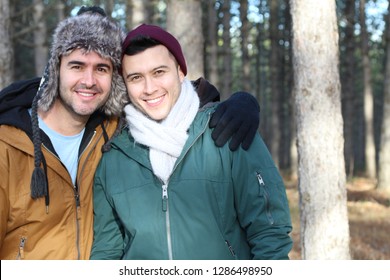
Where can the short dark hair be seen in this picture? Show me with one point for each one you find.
(139, 44)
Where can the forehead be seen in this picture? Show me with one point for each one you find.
(86, 57)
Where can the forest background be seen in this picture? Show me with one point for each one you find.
(249, 45)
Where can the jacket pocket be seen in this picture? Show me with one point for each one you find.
(273, 193)
(266, 197)
(22, 243)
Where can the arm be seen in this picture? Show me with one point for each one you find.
(261, 200)
(108, 238)
(236, 118)
(4, 202)
(4, 194)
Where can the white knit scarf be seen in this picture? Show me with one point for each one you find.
(165, 139)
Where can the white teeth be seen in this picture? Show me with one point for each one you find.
(153, 101)
(86, 94)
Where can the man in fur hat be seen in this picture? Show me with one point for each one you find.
(51, 140)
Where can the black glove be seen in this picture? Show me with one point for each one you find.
(238, 117)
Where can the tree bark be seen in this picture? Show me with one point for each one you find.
(212, 44)
(262, 61)
(6, 52)
(109, 7)
(140, 12)
(322, 183)
(384, 151)
(368, 96)
(274, 65)
(40, 35)
(184, 21)
(246, 63)
(137, 13)
(348, 85)
(226, 53)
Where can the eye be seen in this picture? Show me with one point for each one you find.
(75, 67)
(134, 78)
(102, 69)
(159, 72)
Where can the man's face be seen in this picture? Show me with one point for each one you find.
(85, 82)
(153, 80)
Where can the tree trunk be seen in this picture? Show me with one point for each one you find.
(109, 7)
(226, 52)
(384, 151)
(140, 12)
(137, 13)
(322, 186)
(60, 10)
(6, 52)
(368, 96)
(212, 44)
(184, 21)
(348, 88)
(274, 66)
(246, 63)
(287, 133)
(262, 64)
(40, 34)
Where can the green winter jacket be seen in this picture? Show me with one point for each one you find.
(218, 204)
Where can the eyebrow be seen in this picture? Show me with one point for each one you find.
(77, 62)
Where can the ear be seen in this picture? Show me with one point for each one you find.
(181, 74)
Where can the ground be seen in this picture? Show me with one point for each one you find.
(369, 220)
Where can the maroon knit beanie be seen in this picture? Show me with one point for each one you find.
(162, 36)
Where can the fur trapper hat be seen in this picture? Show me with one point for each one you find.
(88, 32)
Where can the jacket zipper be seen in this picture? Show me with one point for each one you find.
(266, 198)
(165, 204)
(77, 198)
(165, 208)
(20, 255)
(230, 248)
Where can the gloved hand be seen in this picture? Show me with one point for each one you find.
(238, 117)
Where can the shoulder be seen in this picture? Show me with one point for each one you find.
(21, 86)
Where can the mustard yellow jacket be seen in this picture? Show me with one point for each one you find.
(27, 229)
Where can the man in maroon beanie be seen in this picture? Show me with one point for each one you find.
(165, 190)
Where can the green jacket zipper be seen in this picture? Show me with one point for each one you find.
(266, 198)
(165, 203)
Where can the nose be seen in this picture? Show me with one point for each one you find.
(89, 78)
(150, 85)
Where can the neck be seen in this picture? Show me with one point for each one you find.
(63, 121)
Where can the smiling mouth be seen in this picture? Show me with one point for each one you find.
(155, 100)
(86, 94)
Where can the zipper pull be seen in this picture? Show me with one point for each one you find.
(21, 247)
(260, 179)
(230, 248)
(164, 197)
(76, 195)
